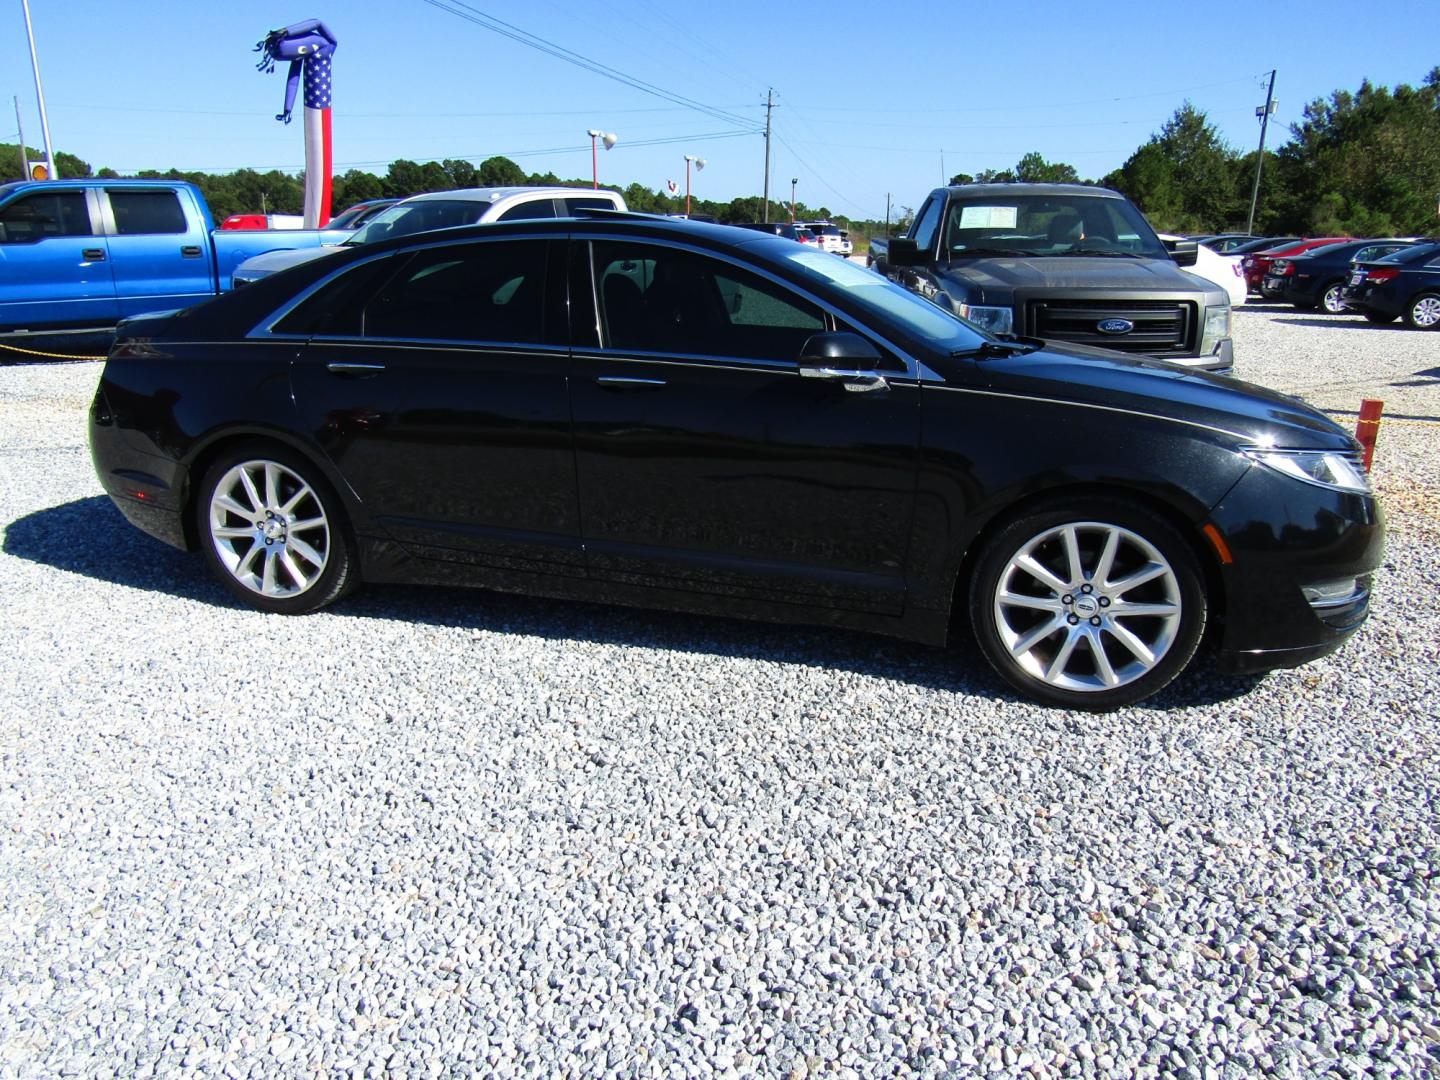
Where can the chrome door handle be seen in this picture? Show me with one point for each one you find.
(629, 382)
(355, 369)
(856, 380)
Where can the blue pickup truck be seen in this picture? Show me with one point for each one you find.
(84, 254)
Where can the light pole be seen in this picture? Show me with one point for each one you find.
(40, 96)
(793, 181)
(699, 164)
(609, 139)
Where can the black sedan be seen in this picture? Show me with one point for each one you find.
(694, 417)
(1316, 278)
(1405, 283)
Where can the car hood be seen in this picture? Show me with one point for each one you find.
(1078, 272)
(272, 262)
(1142, 385)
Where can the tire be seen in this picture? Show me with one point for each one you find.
(1330, 301)
(1380, 318)
(274, 531)
(1423, 312)
(1138, 654)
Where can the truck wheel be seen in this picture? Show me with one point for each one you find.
(1330, 298)
(1424, 312)
(273, 531)
(1088, 603)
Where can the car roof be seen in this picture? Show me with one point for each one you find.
(987, 191)
(495, 194)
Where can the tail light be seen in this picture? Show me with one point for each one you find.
(1379, 276)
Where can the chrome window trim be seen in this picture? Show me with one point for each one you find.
(1094, 405)
(445, 345)
(913, 367)
(265, 327)
(691, 360)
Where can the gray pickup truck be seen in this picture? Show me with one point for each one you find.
(1065, 262)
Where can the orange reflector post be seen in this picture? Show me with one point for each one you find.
(1218, 542)
(1367, 429)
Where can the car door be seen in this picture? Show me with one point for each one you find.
(706, 462)
(435, 380)
(159, 252)
(54, 263)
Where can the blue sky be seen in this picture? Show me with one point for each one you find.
(868, 95)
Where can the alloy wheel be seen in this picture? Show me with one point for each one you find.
(1426, 312)
(1087, 606)
(269, 529)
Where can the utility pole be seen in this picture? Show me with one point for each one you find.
(24, 155)
(1263, 112)
(887, 215)
(40, 95)
(769, 104)
(943, 178)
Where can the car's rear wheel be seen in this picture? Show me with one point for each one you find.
(1424, 312)
(1380, 317)
(1088, 603)
(1330, 298)
(274, 531)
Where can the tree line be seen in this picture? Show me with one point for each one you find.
(1365, 163)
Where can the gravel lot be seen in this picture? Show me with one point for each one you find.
(437, 832)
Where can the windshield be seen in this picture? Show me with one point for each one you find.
(348, 218)
(406, 218)
(888, 301)
(1046, 225)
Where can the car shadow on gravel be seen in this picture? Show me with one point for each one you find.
(91, 537)
(1346, 322)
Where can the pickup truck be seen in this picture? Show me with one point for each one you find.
(84, 254)
(443, 210)
(1065, 262)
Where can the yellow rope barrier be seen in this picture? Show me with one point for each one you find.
(50, 355)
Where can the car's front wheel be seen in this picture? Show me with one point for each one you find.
(1088, 603)
(1423, 312)
(274, 531)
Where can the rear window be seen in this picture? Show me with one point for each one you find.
(147, 213)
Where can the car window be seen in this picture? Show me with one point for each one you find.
(493, 292)
(46, 213)
(928, 225)
(422, 215)
(147, 213)
(337, 308)
(587, 203)
(659, 299)
(535, 208)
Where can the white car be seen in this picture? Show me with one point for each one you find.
(1223, 270)
(832, 237)
(444, 210)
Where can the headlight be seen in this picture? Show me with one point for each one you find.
(1217, 329)
(1341, 470)
(997, 320)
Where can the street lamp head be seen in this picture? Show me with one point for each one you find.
(610, 139)
(794, 180)
(594, 133)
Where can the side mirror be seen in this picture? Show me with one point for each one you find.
(845, 357)
(1185, 252)
(903, 252)
(840, 349)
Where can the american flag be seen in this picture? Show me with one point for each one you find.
(317, 81)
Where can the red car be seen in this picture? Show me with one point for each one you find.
(1256, 266)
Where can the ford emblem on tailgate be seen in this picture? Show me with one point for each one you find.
(1115, 326)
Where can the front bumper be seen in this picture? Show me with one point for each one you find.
(1299, 583)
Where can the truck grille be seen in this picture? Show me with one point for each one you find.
(1161, 327)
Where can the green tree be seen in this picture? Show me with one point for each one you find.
(1184, 177)
(1034, 169)
(500, 172)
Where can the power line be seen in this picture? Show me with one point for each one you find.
(386, 115)
(471, 14)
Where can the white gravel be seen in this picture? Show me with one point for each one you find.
(438, 832)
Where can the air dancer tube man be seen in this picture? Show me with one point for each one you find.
(308, 46)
